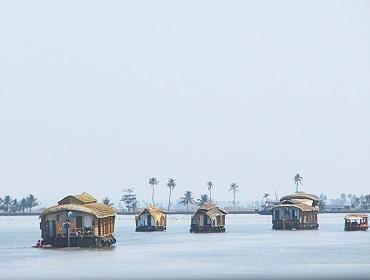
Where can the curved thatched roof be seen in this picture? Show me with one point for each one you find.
(155, 212)
(300, 196)
(300, 206)
(83, 198)
(211, 210)
(99, 210)
(83, 203)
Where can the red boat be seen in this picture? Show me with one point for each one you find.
(354, 222)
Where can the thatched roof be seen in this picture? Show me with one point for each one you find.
(303, 201)
(300, 206)
(155, 212)
(82, 203)
(211, 210)
(83, 198)
(300, 196)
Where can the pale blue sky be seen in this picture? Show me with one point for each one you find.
(100, 95)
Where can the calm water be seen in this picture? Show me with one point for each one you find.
(249, 249)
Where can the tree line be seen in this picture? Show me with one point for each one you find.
(130, 201)
(13, 205)
(129, 198)
(361, 202)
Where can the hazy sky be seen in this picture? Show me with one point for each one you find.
(100, 95)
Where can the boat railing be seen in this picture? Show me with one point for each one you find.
(87, 231)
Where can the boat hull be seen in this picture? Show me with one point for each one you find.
(86, 242)
(279, 225)
(356, 227)
(150, 228)
(200, 229)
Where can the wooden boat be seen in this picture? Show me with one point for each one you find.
(355, 222)
(208, 218)
(296, 211)
(151, 219)
(78, 221)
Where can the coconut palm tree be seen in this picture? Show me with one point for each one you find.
(107, 201)
(14, 206)
(187, 199)
(153, 182)
(31, 202)
(171, 184)
(210, 187)
(203, 199)
(23, 204)
(298, 181)
(7, 202)
(234, 188)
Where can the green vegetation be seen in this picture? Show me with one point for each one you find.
(210, 187)
(107, 201)
(203, 199)
(187, 200)
(234, 188)
(153, 182)
(171, 184)
(13, 205)
(129, 199)
(298, 181)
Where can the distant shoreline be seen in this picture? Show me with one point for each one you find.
(188, 213)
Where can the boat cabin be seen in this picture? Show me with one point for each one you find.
(296, 211)
(151, 219)
(208, 218)
(354, 222)
(78, 221)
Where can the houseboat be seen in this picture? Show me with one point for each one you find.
(355, 222)
(208, 218)
(296, 211)
(78, 221)
(151, 219)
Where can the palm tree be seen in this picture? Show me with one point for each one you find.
(355, 202)
(210, 187)
(203, 199)
(187, 199)
(7, 201)
(14, 206)
(153, 182)
(31, 202)
(23, 204)
(171, 184)
(235, 188)
(298, 181)
(106, 201)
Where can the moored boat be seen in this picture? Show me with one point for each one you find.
(208, 218)
(295, 212)
(151, 219)
(78, 221)
(356, 222)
